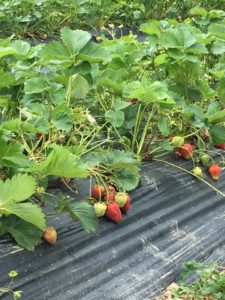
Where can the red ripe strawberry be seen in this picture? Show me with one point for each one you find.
(109, 197)
(214, 171)
(185, 151)
(50, 235)
(126, 207)
(113, 212)
(111, 189)
(220, 146)
(97, 191)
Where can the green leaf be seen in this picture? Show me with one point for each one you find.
(27, 211)
(21, 47)
(200, 11)
(7, 79)
(179, 37)
(26, 234)
(151, 28)
(92, 159)
(217, 117)
(126, 179)
(85, 213)
(18, 189)
(35, 85)
(94, 53)
(55, 50)
(60, 162)
(7, 51)
(121, 156)
(74, 40)
(217, 30)
(166, 146)
(156, 92)
(217, 133)
(79, 86)
(119, 105)
(161, 59)
(61, 118)
(164, 126)
(107, 82)
(221, 89)
(218, 47)
(17, 162)
(116, 118)
(213, 107)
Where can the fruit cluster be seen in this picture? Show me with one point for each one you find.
(186, 151)
(109, 202)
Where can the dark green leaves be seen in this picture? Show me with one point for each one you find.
(79, 211)
(25, 234)
(16, 190)
(217, 133)
(84, 213)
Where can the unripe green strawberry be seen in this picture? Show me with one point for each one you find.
(205, 160)
(177, 141)
(121, 199)
(100, 209)
(197, 172)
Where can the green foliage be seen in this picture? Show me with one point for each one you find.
(79, 211)
(7, 290)
(38, 18)
(17, 190)
(210, 282)
(60, 162)
(24, 233)
(73, 108)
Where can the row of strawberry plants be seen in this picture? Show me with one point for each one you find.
(78, 109)
(43, 18)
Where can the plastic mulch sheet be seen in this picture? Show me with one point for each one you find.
(174, 218)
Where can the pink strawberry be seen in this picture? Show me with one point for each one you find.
(214, 171)
(111, 189)
(97, 191)
(113, 212)
(109, 197)
(185, 151)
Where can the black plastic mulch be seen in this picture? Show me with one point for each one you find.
(174, 218)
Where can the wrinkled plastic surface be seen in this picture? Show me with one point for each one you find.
(174, 218)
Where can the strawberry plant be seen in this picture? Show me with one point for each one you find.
(209, 282)
(8, 289)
